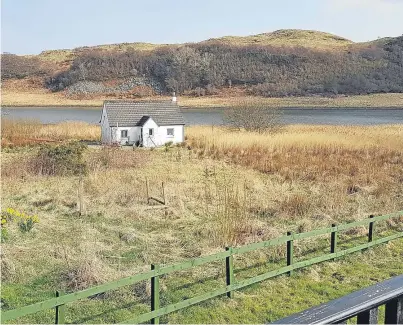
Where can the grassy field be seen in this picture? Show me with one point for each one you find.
(231, 189)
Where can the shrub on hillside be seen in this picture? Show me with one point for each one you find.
(201, 69)
(14, 66)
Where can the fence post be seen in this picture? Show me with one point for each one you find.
(394, 311)
(155, 294)
(371, 230)
(164, 198)
(147, 191)
(368, 317)
(333, 240)
(60, 310)
(229, 271)
(290, 252)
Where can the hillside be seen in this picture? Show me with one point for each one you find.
(288, 38)
(282, 64)
(284, 37)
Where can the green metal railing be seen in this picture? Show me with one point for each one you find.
(157, 271)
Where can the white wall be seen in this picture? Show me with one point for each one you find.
(178, 137)
(133, 134)
(154, 140)
(161, 134)
(159, 138)
(105, 129)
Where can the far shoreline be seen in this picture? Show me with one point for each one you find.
(214, 107)
(17, 99)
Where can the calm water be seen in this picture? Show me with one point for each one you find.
(214, 116)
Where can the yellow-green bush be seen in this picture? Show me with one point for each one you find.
(25, 222)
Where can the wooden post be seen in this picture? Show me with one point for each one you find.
(394, 311)
(60, 311)
(163, 194)
(290, 252)
(147, 191)
(155, 294)
(368, 317)
(80, 192)
(333, 240)
(229, 271)
(371, 230)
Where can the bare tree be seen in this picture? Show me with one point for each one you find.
(254, 115)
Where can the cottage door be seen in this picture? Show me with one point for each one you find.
(151, 137)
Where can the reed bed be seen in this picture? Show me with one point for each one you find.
(309, 152)
(305, 137)
(17, 132)
(331, 165)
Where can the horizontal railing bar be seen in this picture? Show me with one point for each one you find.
(323, 231)
(267, 243)
(51, 303)
(313, 233)
(180, 305)
(193, 262)
(192, 301)
(346, 226)
(369, 220)
(312, 261)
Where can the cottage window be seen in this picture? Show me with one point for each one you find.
(123, 133)
(150, 132)
(170, 132)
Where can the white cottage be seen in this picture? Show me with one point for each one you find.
(147, 124)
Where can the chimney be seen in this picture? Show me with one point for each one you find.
(174, 98)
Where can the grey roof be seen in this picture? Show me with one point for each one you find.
(131, 113)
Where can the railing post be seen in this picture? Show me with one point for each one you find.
(155, 294)
(60, 310)
(394, 311)
(368, 317)
(229, 271)
(290, 252)
(371, 230)
(333, 240)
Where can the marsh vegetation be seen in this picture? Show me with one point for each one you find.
(223, 187)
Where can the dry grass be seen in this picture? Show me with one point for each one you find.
(302, 137)
(342, 160)
(375, 100)
(289, 38)
(16, 132)
(7, 268)
(68, 55)
(42, 98)
(231, 189)
(85, 273)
